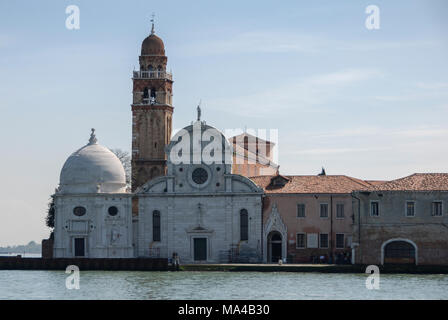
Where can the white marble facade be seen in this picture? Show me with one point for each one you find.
(93, 210)
(199, 210)
(201, 205)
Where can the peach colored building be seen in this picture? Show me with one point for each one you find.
(252, 156)
(308, 219)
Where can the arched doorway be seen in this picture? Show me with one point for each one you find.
(399, 251)
(274, 246)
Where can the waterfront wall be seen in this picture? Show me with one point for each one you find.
(131, 264)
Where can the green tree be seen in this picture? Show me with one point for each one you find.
(49, 219)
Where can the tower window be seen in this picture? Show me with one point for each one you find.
(153, 95)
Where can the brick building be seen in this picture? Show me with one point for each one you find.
(252, 156)
(152, 112)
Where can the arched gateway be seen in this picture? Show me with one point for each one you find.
(399, 251)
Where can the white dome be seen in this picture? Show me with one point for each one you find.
(92, 169)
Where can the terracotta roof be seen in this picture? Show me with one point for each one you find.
(312, 184)
(415, 182)
(375, 182)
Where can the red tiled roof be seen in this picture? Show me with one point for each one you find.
(415, 182)
(375, 182)
(312, 184)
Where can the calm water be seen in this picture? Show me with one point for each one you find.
(217, 285)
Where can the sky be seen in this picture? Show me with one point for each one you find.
(371, 104)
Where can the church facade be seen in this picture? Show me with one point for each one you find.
(200, 210)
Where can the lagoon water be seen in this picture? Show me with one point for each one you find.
(217, 285)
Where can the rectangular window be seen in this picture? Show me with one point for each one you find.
(323, 240)
(156, 225)
(340, 243)
(301, 210)
(410, 208)
(340, 210)
(244, 225)
(301, 240)
(437, 208)
(312, 240)
(374, 209)
(324, 210)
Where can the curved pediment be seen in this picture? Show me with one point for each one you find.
(156, 185)
(243, 184)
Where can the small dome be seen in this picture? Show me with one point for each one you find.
(92, 169)
(153, 45)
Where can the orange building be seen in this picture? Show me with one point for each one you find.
(308, 219)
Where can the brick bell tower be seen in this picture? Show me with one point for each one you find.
(152, 112)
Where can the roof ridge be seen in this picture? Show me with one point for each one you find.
(358, 181)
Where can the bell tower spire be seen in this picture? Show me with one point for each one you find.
(152, 111)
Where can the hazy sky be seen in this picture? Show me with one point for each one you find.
(371, 104)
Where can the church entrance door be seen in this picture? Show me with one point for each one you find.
(275, 246)
(80, 247)
(200, 249)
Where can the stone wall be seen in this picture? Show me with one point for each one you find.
(427, 232)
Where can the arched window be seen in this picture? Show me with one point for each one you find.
(156, 225)
(244, 225)
(153, 96)
(145, 93)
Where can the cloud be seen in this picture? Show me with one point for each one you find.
(305, 94)
(433, 85)
(326, 151)
(422, 132)
(257, 42)
(282, 41)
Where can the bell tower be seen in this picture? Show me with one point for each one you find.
(152, 112)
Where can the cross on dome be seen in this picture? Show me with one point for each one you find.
(152, 22)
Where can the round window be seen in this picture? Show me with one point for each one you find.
(199, 175)
(79, 211)
(113, 211)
